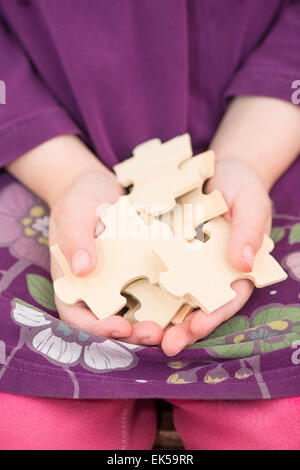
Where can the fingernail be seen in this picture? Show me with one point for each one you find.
(173, 354)
(248, 255)
(80, 261)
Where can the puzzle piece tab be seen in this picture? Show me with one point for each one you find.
(156, 174)
(121, 261)
(202, 274)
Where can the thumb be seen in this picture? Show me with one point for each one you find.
(76, 225)
(251, 217)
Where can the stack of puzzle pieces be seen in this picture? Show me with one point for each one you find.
(152, 259)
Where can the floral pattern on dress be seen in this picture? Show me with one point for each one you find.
(270, 328)
(24, 221)
(64, 345)
(292, 263)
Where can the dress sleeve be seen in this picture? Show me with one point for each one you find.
(271, 69)
(29, 113)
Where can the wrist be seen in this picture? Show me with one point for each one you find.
(53, 167)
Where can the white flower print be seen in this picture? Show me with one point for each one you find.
(107, 355)
(67, 346)
(56, 348)
(29, 316)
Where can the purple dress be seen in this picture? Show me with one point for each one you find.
(119, 73)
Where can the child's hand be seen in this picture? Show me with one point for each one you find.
(73, 225)
(250, 215)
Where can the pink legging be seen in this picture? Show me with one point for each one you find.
(50, 424)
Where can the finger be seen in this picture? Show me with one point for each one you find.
(81, 317)
(177, 337)
(203, 324)
(251, 213)
(76, 225)
(199, 324)
(147, 333)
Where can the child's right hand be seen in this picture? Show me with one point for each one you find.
(73, 225)
(250, 215)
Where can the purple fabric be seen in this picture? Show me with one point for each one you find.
(119, 73)
(256, 354)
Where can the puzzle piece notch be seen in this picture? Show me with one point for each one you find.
(193, 209)
(132, 305)
(155, 303)
(156, 174)
(182, 314)
(209, 288)
(121, 261)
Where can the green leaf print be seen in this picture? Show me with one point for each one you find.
(277, 234)
(274, 313)
(229, 351)
(41, 290)
(273, 328)
(210, 342)
(284, 342)
(233, 325)
(295, 234)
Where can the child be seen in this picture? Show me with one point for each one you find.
(84, 86)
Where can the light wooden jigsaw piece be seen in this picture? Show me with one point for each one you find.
(195, 207)
(202, 274)
(182, 314)
(133, 305)
(121, 261)
(156, 174)
(155, 303)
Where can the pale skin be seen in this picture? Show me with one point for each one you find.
(255, 143)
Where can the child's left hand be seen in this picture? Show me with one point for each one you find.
(250, 214)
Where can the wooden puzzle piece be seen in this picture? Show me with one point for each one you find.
(121, 261)
(132, 305)
(182, 314)
(156, 174)
(150, 157)
(202, 274)
(122, 222)
(195, 207)
(155, 303)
